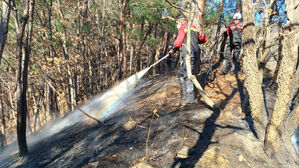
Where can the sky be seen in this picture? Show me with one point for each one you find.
(230, 5)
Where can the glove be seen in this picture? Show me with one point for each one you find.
(171, 52)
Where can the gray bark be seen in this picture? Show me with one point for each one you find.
(22, 84)
(253, 80)
(284, 79)
(4, 24)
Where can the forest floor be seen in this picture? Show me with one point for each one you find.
(190, 136)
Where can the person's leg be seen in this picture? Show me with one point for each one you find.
(189, 98)
(187, 88)
(181, 78)
(183, 87)
(226, 61)
(235, 64)
(169, 63)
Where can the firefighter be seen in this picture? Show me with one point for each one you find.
(197, 37)
(233, 45)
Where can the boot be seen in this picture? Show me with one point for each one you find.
(189, 97)
(225, 67)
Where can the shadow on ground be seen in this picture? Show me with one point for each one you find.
(214, 138)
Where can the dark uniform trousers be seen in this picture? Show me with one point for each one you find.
(187, 87)
(233, 48)
(231, 60)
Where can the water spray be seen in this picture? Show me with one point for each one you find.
(159, 61)
(118, 95)
(98, 108)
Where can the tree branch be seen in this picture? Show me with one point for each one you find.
(175, 6)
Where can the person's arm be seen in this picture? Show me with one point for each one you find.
(202, 38)
(241, 27)
(227, 31)
(179, 40)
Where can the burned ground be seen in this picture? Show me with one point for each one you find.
(174, 136)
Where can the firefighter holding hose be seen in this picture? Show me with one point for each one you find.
(197, 37)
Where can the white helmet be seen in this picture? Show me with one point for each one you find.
(237, 16)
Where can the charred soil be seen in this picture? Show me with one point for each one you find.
(153, 130)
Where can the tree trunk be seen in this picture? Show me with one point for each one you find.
(4, 24)
(123, 46)
(132, 51)
(71, 92)
(53, 106)
(155, 59)
(199, 14)
(265, 38)
(237, 9)
(36, 107)
(53, 50)
(71, 89)
(22, 75)
(3, 123)
(218, 30)
(275, 73)
(138, 55)
(85, 50)
(27, 50)
(284, 80)
(13, 109)
(253, 78)
(85, 27)
(1, 141)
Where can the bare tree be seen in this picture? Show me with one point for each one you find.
(3, 123)
(123, 36)
(253, 80)
(218, 29)
(4, 24)
(22, 75)
(199, 15)
(284, 79)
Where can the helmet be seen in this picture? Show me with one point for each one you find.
(237, 16)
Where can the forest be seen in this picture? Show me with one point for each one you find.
(56, 55)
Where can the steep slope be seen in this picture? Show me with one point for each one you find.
(154, 131)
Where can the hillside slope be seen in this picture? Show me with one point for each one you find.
(191, 136)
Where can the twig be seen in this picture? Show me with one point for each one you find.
(137, 125)
(149, 131)
(83, 112)
(9, 64)
(168, 17)
(175, 6)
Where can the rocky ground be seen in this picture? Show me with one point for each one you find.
(154, 131)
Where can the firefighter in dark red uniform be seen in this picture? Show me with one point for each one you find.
(197, 37)
(233, 44)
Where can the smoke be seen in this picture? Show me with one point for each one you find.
(295, 140)
(100, 107)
